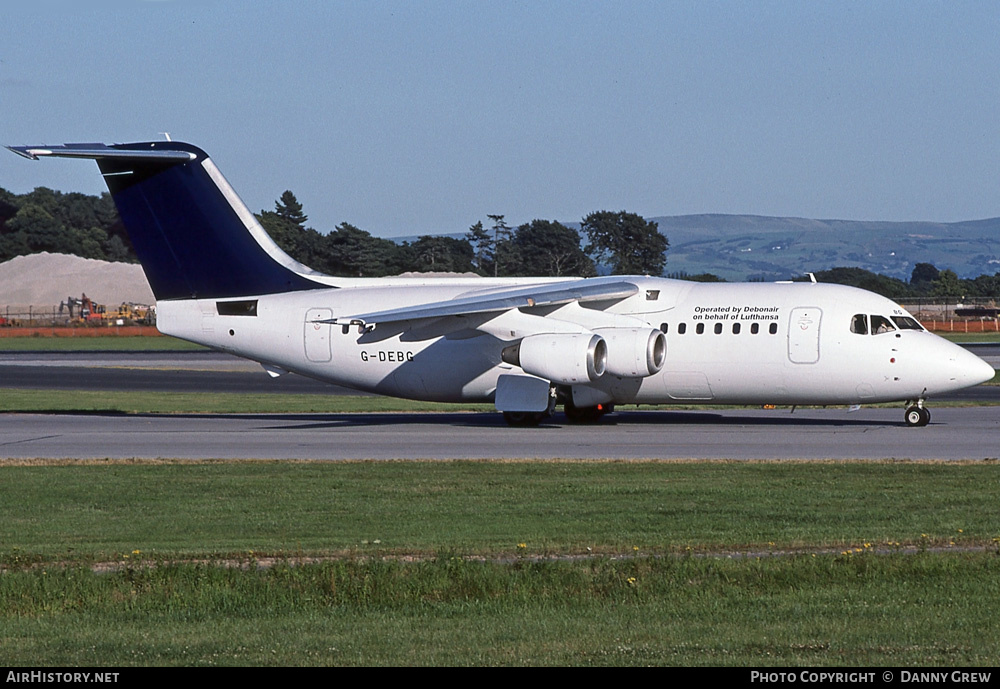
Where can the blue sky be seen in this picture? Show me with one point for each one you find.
(420, 116)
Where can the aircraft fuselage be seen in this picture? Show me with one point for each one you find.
(746, 343)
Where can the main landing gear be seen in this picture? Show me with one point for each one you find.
(524, 418)
(575, 414)
(532, 418)
(917, 414)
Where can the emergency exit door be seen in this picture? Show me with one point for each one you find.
(317, 335)
(803, 335)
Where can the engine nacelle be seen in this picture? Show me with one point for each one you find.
(561, 357)
(634, 352)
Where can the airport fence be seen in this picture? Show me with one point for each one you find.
(948, 314)
(15, 318)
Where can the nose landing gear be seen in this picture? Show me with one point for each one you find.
(916, 414)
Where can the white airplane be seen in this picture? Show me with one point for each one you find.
(524, 344)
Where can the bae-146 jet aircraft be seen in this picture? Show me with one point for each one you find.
(525, 344)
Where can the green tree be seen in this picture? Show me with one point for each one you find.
(290, 236)
(924, 272)
(548, 248)
(865, 279)
(947, 285)
(116, 251)
(286, 226)
(504, 255)
(89, 243)
(347, 251)
(353, 251)
(625, 241)
(700, 277)
(40, 231)
(922, 278)
(13, 244)
(8, 208)
(441, 254)
(289, 208)
(984, 286)
(482, 247)
(42, 197)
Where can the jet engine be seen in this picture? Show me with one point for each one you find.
(634, 352)
(560, 357)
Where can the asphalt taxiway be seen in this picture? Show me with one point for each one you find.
(969, 433)
(966, 433)
(202, 371)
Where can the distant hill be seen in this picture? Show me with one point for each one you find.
(742, 247)
(754, 247)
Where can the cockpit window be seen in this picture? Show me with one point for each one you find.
(906, 323)
(859, 324)
(881, 324)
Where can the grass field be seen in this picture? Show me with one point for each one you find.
(92, 344)
(486, 563)
(964, 338)
(523, 563)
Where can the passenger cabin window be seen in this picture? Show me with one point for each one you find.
(719, 328)
(859, 324)
(881, 324)
(906, 323)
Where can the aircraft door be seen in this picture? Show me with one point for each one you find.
(317, 335)
(803, 334)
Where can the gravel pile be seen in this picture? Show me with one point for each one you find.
(44, 280)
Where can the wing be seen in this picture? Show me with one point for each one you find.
(562, 332)
(498, 301)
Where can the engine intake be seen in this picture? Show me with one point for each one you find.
(560, 358)
(634, 352)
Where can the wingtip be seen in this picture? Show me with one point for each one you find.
(176, 152)
(29, 152)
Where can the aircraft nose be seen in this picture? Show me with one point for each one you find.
(951, 367)
(967, 369)
(978, 371)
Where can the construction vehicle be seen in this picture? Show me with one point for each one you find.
(85, 311)
(130, 313)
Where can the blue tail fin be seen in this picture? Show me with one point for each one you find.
(193, 235)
